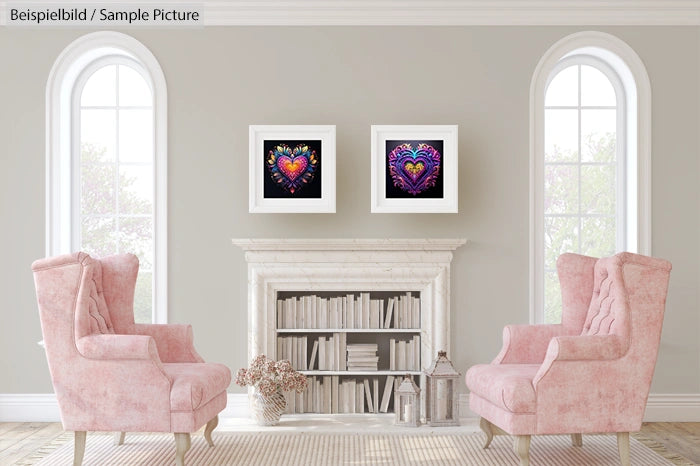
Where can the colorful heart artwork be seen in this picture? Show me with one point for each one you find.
(414, 170)
(292, 168)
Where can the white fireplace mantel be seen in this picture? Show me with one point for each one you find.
(349, 265)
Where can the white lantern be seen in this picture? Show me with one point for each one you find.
(441, 395)
(406, 403)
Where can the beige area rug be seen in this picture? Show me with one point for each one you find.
(306, 449)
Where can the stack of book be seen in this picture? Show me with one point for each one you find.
(405, 310)
(350, 311)
(294, 349)
(404, 355)
(331, 395)
(362, 356)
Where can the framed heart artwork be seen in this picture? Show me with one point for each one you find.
(292, 168)
(414, 168)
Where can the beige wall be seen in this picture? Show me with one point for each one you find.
(220, 80)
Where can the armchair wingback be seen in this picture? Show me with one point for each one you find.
(112, 374)
(592, 372)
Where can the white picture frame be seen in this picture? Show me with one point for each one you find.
(390, 193)
(277, 188)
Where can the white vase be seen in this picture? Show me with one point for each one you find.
(268, 409)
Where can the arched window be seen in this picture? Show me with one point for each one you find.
(589, 100)
(106, 158)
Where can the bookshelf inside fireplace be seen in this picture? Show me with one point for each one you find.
(309, 323)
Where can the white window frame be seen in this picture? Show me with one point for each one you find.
(623, 62)
(61, 143)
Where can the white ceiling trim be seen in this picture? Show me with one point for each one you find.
(427, 12)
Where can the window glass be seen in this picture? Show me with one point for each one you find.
(116, 172)
(100, 90)
(581, 171)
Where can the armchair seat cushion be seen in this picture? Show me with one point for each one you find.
(508, 386)
(195, 384)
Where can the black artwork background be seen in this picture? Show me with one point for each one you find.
(311, 191)
(436, 192)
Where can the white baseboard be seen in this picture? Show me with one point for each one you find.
(33, 407)
(682, 407)
(673, 407)
(43, 407)
(237, 406)
(464, 411)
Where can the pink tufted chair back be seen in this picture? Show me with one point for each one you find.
(75, 293)
(608, 312)
(71, 302)
(91, 312)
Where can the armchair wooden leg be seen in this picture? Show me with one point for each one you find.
(119, 438)
(487, 428)
(623, 447)
(182, 444)
(521, 445)
(79, 448)
(577, 440)
(211, 425)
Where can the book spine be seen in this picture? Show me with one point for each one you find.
(322, 348)
(304, 353)
(352, 390)
(308, 321)
(359, 312)
(401, 363)
(368, 396)
(374, 313)
(381, 313)
(280, 313)
(388, 389)
(351, 311)
(415, 348)
(314, 351)
(361, 397)
(366, 311)
(327, 390)
(334, 394)
(317, 312)
(409, 304)
(389, 313)
(344, 312)
(415, 318)
(375, 397)
(392, 354)
(336, 351)
(343, 352)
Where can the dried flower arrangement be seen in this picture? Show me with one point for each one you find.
(269, 376)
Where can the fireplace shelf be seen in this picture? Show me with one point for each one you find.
(348, 330)
(353, 339)
(365, 373)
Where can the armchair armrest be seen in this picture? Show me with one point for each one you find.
(175, 342)
(526, 344)
(579, 355)
(117, 382)
(585, 348)
(116, 347)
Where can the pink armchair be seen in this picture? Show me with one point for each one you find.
(110, 374)
(592, 372)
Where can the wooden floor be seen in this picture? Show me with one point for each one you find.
(681, 438)
(20, 440)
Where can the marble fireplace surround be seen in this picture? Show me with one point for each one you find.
(347, 265)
